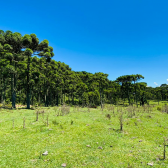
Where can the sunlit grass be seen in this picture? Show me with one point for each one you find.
(66, 138)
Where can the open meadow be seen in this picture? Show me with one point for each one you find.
(76, 137)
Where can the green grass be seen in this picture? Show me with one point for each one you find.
(66, 138)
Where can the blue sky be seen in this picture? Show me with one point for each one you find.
(115, 37)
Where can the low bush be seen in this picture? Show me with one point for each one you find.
(159, 108)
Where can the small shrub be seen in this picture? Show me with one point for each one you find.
(65, 110)
(111, 108)
(165, 109)
(149, 108)
(93, 106)
(164, 149)
(108, 116)
(33, 108)
(148, 116)
(9, 105)
(159, 108)
(130, 111)
(61, 126)
(55, 122)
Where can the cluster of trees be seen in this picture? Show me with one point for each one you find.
(29, 75)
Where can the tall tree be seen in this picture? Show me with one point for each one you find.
(32, 48)
(101, 78)
(136, 78)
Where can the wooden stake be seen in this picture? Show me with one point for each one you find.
(24, 122)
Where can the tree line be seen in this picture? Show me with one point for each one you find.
(29, 76)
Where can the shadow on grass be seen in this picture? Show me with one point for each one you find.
(20, 108)
(117, 130)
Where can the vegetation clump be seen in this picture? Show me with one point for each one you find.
(30, 77)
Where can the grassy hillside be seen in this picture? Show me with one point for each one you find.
(81, 137)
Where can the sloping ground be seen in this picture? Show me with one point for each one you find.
(82, 138)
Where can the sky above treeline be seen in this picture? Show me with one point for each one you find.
(114, 37)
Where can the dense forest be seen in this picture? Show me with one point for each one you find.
(29, 76)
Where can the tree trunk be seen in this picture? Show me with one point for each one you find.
(82, 102)
(12, 91)
(32, 96)
(28, 85)
(39, 99)
(128, 97)
(4, 95)
(1, 90)
(68, 98)
(72, 98)
(47, 97)
(64, 97)
(101, 100)
(57, 100)
(136, 95)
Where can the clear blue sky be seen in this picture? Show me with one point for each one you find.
(117, 37)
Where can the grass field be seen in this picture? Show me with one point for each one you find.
(83, 137)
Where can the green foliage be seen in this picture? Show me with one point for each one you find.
(35, 41)
(9, 56)
(29, 75)
(10, 69)
(7, 47)
(26, 41)
(28, 52)
(1, 47)
(43, 45)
